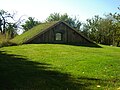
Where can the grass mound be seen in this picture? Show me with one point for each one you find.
(59, 67)
(20, 39)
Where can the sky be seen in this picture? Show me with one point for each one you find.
(41, 9)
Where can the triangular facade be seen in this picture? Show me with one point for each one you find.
(57, 32)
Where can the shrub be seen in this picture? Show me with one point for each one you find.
(4, 41)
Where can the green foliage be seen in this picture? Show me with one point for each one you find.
(4, 40)
(11, 30)
(116, 27)
(103, 30)
(73, 22)
(59, 67)
(91, 27)
(55, 17)
(7, 23)
(30, 23)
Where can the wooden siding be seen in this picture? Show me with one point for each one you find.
(69, 36)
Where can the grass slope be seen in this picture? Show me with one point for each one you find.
(59, 67)
(20, 39)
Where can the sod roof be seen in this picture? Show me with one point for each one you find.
(20, 39)
(39, 29)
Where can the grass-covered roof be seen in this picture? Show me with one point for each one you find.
(39, 29)
(20, 39)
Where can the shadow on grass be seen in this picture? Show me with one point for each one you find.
(20, 74)
(100, 84)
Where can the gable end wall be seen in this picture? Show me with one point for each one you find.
(70, 36)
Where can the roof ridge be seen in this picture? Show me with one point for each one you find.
(40, 29)
(44, 30)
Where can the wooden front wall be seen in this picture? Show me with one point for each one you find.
(69, 36)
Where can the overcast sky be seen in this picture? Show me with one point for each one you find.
(41, 9)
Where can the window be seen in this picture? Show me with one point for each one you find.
(58, 36)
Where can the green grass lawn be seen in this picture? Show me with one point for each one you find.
(59, 67)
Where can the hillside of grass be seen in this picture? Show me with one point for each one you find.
(20, 39)
(59, 67)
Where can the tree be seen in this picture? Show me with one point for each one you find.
(99, 30)
(0, 25)
(7, 23)
(103, 30)
(30, 23)
(85, 30)
(11, 30)
(73, 22)
(55, 17)
(3, 20)
(116, 28)
(90, 29)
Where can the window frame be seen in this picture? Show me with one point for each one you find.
(58, 36)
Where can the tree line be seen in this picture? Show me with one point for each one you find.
(101, 30)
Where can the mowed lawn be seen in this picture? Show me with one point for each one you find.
(59, 67)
